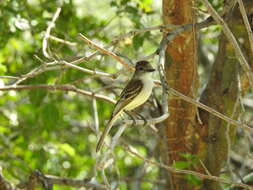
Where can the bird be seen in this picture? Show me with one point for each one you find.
(136, 93)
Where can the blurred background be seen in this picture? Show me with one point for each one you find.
(53, 131)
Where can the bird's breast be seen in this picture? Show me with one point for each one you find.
(142, 96)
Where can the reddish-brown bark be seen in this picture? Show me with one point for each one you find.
(181, 73)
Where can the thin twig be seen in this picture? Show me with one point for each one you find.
(130, 179)
(105, 180)
(93, 72)
(28, 75)
(47, 34)
(62, 41)
(180, 171)
(123, 125)
(52, 65)
(211, 110)
(247, 24)
(95, 112)
(105, 51)
(40, 178)
(8, 77)
(58, 87)
(205, 168)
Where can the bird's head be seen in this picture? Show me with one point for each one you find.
(144, 67)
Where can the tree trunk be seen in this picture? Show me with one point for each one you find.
(181, 74)
(210, 140)
(221, 94)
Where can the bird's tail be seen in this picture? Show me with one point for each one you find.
(105, 132)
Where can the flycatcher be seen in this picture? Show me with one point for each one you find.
(136, 92)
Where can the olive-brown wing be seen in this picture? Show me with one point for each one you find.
(132, 89)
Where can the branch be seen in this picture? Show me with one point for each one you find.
(58, 87)
(53, 65)
(151, 121)
(74, 182)
(210, 110)
(62, 41)
(8, 77)
(180, 171)
(105, 51)
(95, 114)
(106, 161)
(246, 22)
(47, 34)
(93, 72)
(37, 178)
(4, 184)
(232, 40)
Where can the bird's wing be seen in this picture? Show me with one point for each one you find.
(132, 89)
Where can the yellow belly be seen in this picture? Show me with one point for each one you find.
(142, 97)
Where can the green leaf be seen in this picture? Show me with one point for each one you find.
(138, 41)
(132, 10)
(67, 149)
(181, 164)
(194, 180)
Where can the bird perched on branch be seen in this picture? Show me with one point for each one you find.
(136, 92)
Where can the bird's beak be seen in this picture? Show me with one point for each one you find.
(151, 69)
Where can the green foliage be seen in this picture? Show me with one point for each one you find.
(49, 130)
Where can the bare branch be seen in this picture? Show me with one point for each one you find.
(151, 121)
(123, 125)
(247, 24)
(175, 170)
(37, 178)
(58, 87)
(47, 34)
(62, 41)
(93, 72)
(8, 77)
(95, 112)
(52, 65)
(211, 110)
(103, 50)
(74, 182)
